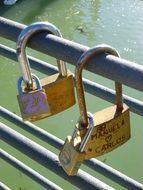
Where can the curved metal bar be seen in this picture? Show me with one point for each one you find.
(22, 40)
(34, 77)
(84, 59)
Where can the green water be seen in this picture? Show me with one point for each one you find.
(117, 23)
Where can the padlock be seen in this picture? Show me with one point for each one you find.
(59, 88)
(112, 124)
(33, 103)
(72, 153)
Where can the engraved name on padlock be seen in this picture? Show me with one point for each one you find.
(112, 125)
(59, 88)
(72, 153)
(33, 103)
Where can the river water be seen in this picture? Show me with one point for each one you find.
(91, 22)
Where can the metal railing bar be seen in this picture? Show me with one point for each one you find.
(93, 88)
(4, 187)
(135, 106)
(114, 68)
(36, 64)
(49, 160)
(31, 128)
(100, 95)
(114, 174)
(94, 164)
(28, 171)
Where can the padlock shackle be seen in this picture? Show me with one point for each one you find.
(23, 39)
(87, 136)
(84, 58)
(34, 77)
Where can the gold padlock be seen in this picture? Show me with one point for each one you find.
(60, 92)
(111, 125)
(59, 88)
(72, 153)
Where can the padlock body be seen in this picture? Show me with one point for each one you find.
(70, 158)
(59, 91)
(111, 130)
(33, 105)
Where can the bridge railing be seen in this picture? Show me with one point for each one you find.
(126, 72)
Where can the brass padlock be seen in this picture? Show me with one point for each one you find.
(59, 88)
(72, 153)
(33, 102)
(112, 125)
